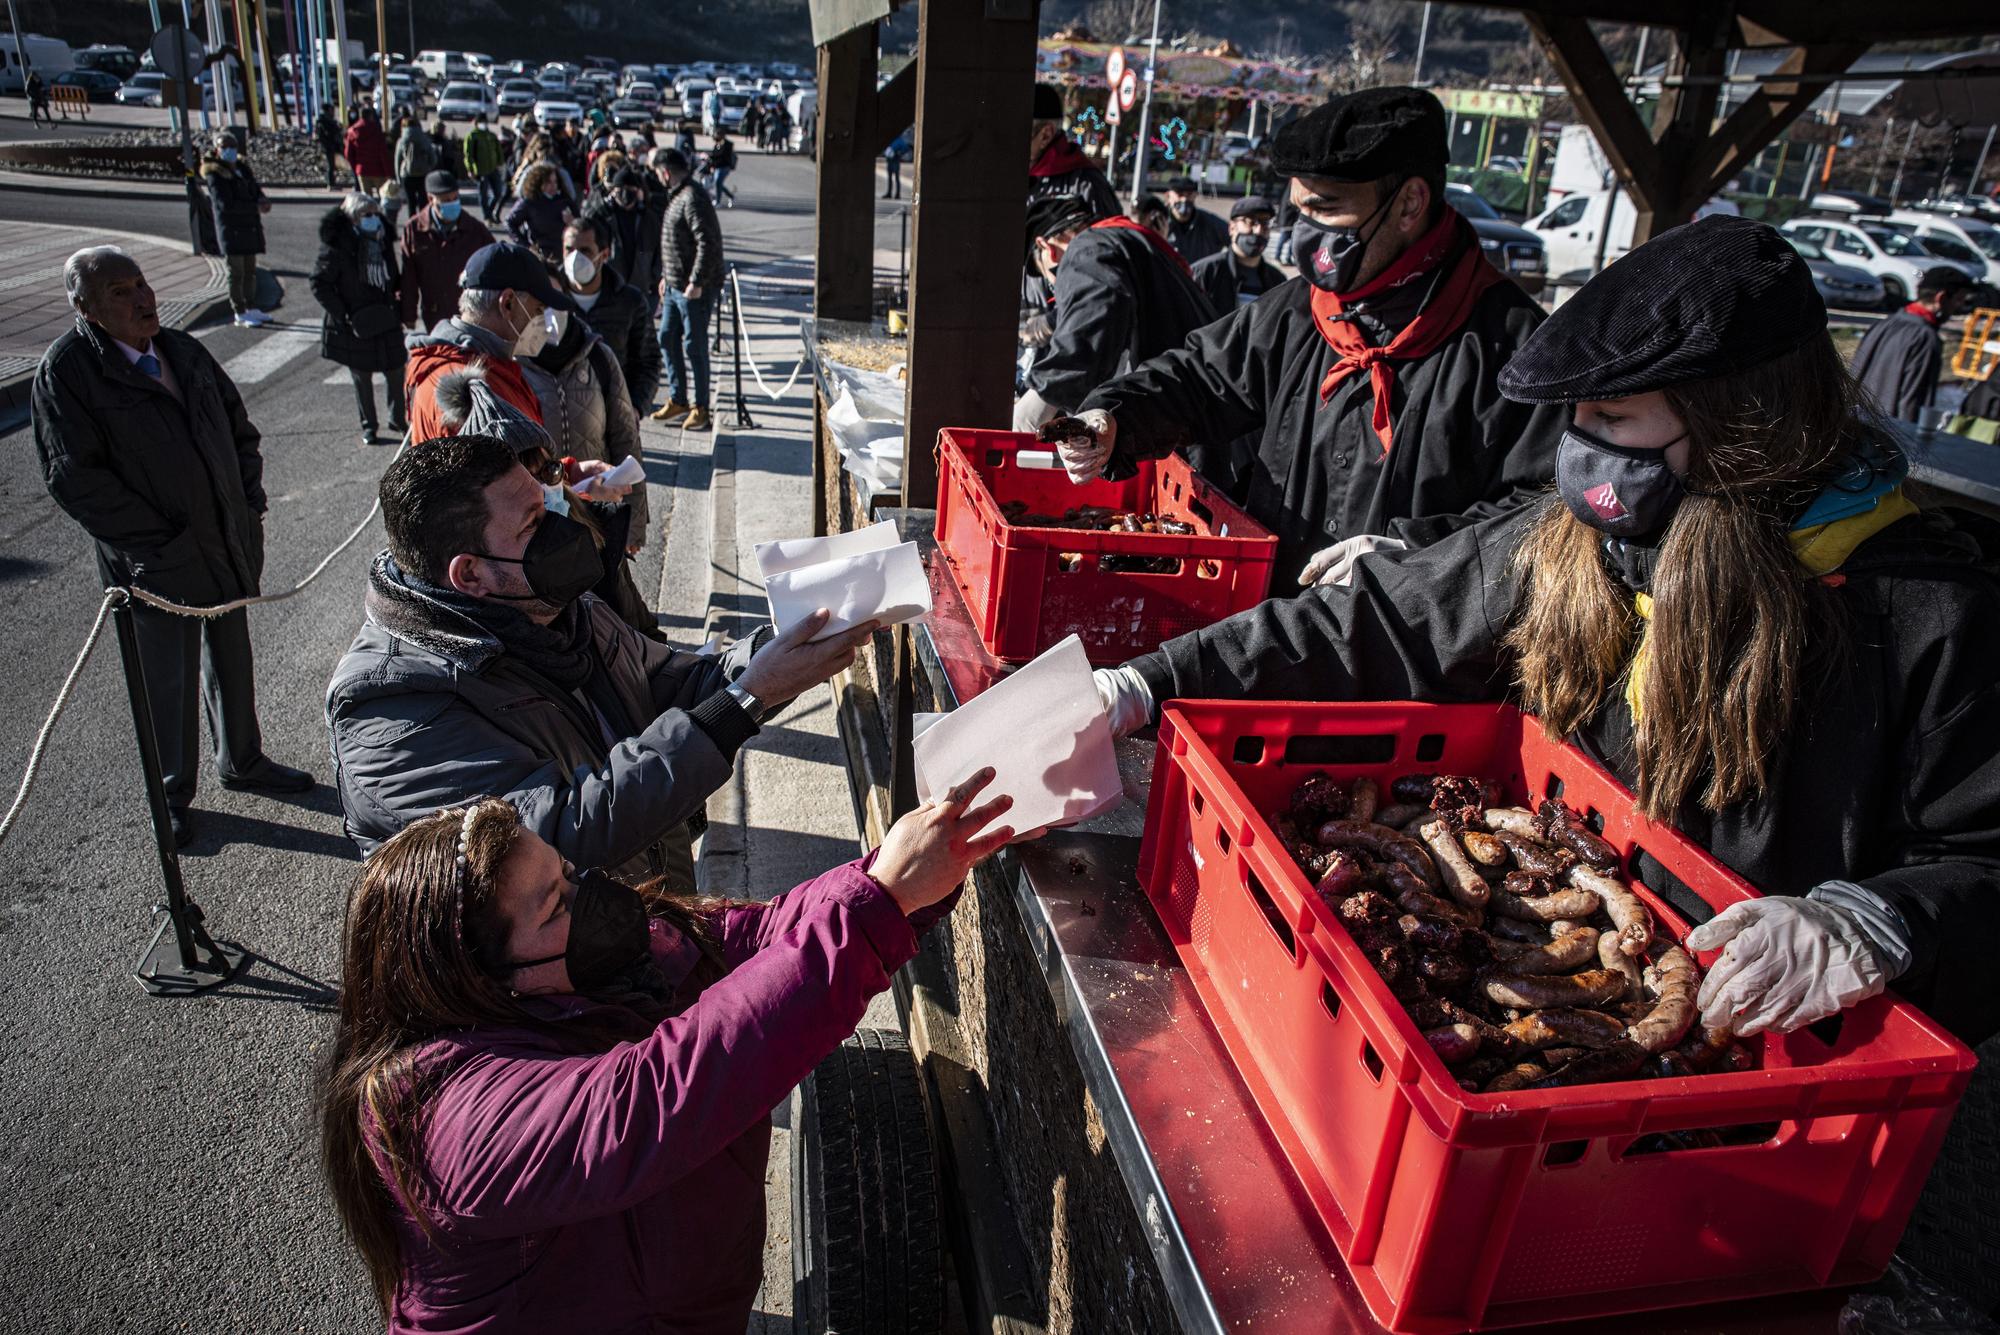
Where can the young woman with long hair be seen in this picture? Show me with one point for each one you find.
(547, 1103)
(1732, 605)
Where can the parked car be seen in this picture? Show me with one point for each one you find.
(96, 84)
(1955, 236)
(630, 114)
(554, 110)
(1894, 256)
(1840, 285)
(1848, 204)
(553, 81)
(144, 89)
(642, 90)
(121, 62)
(1977, 206)
(729, 111)
(463, 101)
(517, 95)
(1514, 251)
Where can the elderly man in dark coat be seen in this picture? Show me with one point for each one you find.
(143, 440)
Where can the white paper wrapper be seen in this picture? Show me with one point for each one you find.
(787, 554)
(1043, 731)
(629, 473)
(888, 585)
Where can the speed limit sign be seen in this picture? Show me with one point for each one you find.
(1114, 67)
(1128, 90)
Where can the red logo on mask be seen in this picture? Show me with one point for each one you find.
(1605, 502)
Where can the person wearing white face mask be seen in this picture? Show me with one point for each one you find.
(509, 308)
(355, 281)
(437, 242)
(238, 204)
(614, 307)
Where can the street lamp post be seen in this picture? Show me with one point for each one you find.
(1145, 111)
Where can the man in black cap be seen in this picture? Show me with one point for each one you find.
(1732, 606)
(510, 307)
(1121, 295)
(1194, 233)
(437, 241)
(1899, 360)
(1239, 275)
(1369, 382)
(1056, 165)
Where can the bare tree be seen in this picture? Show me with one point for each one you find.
(1121, 20)
(1374, 33)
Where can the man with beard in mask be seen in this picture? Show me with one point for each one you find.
(1121, 295)
(509, 308)
(1368, 385)
(484, 669)
(1239, 275)
(1194, 233)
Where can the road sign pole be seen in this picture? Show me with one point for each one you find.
(1145, 112)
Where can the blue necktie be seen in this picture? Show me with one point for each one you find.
(149, 364)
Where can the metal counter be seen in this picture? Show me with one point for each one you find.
(1236, 1241)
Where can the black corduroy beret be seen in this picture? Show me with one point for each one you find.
(1048, 102)
(1253, 206)
(1697, 301)
(1365, 136)
(1056, 213)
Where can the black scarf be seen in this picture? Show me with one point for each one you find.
(473, 632)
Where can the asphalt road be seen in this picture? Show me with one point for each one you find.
(157, 1158)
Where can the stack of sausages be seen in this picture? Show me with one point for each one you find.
(1508, 935)
(1103, 519)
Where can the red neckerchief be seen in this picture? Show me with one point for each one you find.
(1059, 158)
(1160, 243)
(1924, 313)
(1440, 318)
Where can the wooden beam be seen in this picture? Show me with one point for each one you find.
(1682, 119)
(1761, 119)
(975, 93)
(1832, 22)
(1600, 98)
(895, 107)
(844, 203)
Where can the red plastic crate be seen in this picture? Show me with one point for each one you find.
(1460, 1211)
(1028, 588)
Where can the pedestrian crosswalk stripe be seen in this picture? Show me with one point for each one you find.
(270, 353)
(337, 376)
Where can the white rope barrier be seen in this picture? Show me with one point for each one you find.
(111, 599)
(744, 334)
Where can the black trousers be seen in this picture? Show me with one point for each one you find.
(392, 390)
(178, 654)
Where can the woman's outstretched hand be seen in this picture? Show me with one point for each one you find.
(929, 851)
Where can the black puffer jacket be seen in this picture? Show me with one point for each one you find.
(635, 234)
(171, 487)
(691, 240)
(624, 320)
(233, 198)
(340, 283)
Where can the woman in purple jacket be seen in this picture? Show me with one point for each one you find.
(548, 1102)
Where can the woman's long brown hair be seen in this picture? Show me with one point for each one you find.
(1733, 612)
(420, 958)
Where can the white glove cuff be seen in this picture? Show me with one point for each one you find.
(1880, 921)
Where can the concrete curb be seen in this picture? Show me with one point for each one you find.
(93, 188)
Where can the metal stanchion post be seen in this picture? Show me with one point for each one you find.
(191, 961)
(743, 419)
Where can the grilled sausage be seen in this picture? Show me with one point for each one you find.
(1517, 1077)
(1699, 1051)
(1672, 980)
(1519, 931)
(1613, 1062)
(1427, 905)
(1560, 825)
(1570, 951)
(1592, 987)
(1484, 848)
(1414, 788)
(1379, 841)
(1460, 877)
(1454, 1043)
(1631, 917)
(1572, 903)
(1363, 798)
(1400, 815)
(1431, 933)
(1512, 820)
(1611, 954)
(1343, 876)
(1533, 856)
(1565, 1028)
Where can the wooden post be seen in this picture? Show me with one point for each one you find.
(844, 216)
(975, 94)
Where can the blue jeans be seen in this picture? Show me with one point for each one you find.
(490, 195)
(684, 341)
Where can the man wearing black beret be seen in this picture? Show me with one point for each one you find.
(1056, 165)
(1899, 360)
(1195, 234)
(1239, 275)
(1121, 295)
(1366, 387)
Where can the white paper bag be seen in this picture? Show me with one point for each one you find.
(786, 554)
(888, 585)
(629, 473)
(1044, 732)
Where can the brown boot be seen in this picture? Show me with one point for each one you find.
(670, 412)
(697, 419)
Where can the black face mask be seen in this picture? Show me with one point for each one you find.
(1330, 257)
(1248, 244)
(1624, 492)
(561, 563)
(608, 933)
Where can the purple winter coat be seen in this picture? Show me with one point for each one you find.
(624, 1191)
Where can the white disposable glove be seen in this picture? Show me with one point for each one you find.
(1127, 700)
(1084, 457)
(1031, 410)
(1333, 566)
(1788, 962)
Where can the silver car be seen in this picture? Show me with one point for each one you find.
(1840, 285)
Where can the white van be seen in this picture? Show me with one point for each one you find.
(443, 66)
(49, 57)
(1955, 238)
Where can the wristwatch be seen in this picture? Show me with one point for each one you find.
(749, 703)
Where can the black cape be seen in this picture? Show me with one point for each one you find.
(1221, 280)
(1890, 777)
(1119, 301)
(1202, 235)
(1318, 474)
(1898, 362)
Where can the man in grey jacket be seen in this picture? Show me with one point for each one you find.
(482, 669)
(691, 277)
